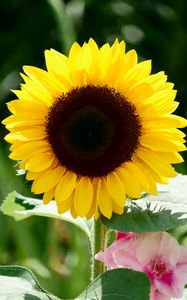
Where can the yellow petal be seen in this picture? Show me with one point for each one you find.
(79, 77)
(64, 205)
(94, 73)
(36, 90)
(72, 208)
(157, 80)
(25, 149)
(131, 60)
(104, 200)
(33, 175)
(94, 208)
(74, 50)
(172, 133)
(117, 209)
(161, 142)
(48, 196)
(162, 98)
(132, 187)
(171, 157)
(149, 173)
(39, 162)
(104, 59)
(22, 106)
(165, 108)
(83, 196)
(114, 74)
(170, 121)
(154, 175)
(138, 174)
(23, 117)
(66, 186)
(56, 62)
(139, 93)
(137, 73)
(155, 161)
(43, 78)
(26, 135)
(84, 58)
(47, 180)
(116, 188)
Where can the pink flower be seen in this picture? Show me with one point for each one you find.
(122, 249)
(156, 254)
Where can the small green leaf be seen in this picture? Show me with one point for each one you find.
(117, 284)
(19, 283)
(20, 207)
(165, 211)
(9, 207)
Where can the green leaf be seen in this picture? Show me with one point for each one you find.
(117, 284)
(19, 283)
(20, 207)
(165, 211)
(9, 207)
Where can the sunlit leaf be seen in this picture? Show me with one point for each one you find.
(10, 207)
(19, 283)
(20, 207)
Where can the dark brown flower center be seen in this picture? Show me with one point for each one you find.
(93, 130)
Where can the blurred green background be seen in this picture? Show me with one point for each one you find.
(58, 253)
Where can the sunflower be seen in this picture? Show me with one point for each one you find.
(94, 128)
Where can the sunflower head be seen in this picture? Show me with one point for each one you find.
(94, 128)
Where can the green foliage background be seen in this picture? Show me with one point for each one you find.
(56, 252)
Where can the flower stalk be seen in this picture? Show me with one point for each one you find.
(98, 243)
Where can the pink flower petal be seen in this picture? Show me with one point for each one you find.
(169, 249)
(123, 259)
(125, 254)
(124, 235)
(182, 263)
(169, 285)
(180, 279)
(156, 295)
(107, 258)
(148, 248)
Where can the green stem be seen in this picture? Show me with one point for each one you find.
(98, 243)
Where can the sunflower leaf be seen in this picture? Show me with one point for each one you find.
(20, 207)
(118, 284)
(165, 211)
(10, 207)
(19, 283)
